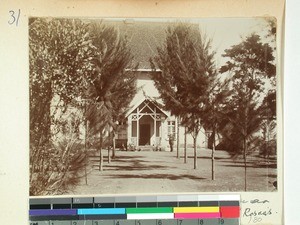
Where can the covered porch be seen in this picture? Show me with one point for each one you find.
(146, 125)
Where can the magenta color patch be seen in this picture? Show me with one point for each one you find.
(196, 215)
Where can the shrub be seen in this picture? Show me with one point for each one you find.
(57, 168)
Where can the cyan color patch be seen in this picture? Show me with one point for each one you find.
(101, 211)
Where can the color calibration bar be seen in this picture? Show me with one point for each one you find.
(137, 210)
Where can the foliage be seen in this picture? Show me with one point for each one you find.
(112, 87)
(272, 29)
(77, 68)
(58, 165)
(268, 106)
(186, 64)
(213, 116)
(60, 53)
(187, 67)
(53, 174)
(243, 122)
(251, 64)
(252, 59)
(268, 143)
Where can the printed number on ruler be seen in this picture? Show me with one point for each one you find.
(140, 222)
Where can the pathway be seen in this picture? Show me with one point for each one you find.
(161, 172)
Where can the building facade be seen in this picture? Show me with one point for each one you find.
(147, 124)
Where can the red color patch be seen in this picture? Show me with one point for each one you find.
(230, 211)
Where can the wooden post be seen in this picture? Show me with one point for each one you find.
(155, 144)
(129, 131)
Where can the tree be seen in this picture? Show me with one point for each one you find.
(268, 106)
(59, 66)
(121, 101)
(268, 127)
(112, 86)
(186, 64)
(250, 64)
(213, 114)
(73, 66)
(272, 29)
(59, 60)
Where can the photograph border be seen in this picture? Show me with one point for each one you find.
(17, 61)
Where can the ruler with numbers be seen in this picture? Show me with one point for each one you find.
(136, 210)
(141, 222)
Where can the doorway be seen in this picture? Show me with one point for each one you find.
(144, 134)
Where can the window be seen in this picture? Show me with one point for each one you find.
(122, 134)
(171, 127)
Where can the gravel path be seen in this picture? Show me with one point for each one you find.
(161, 172)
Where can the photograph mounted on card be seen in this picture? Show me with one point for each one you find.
(153, 105)
(142, 104)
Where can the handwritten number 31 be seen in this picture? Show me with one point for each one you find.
(14, 17)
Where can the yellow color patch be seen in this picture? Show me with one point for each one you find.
(196, 209)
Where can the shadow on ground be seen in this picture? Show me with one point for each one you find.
(134, 164)
(136, 167)
(156, 176)
(273, 166)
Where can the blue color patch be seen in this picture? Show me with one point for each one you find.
(101, 211)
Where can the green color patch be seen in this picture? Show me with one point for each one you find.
(150, 210)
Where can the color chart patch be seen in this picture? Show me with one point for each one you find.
(137, 210)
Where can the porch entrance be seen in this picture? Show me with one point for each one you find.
(145, 124)
(145, 134)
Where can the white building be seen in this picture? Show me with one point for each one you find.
(148, 124)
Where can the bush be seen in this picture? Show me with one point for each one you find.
(56, 167)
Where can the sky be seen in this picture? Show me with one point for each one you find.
(224, 32)
(230, 31)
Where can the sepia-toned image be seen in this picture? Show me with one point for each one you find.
(132, 105)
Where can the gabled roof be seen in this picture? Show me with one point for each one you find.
(140, 101)
(144, 38)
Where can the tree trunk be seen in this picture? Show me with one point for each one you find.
(195, 149)
(40, 111)
(178, 122)
(109, 147)
(114, 145)
(101, 156)
(185, 153)
(108, 155)
(267, 140)
(245, 162)
(85, 145)
(213, 156)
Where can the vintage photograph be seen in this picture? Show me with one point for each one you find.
(144, 105)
